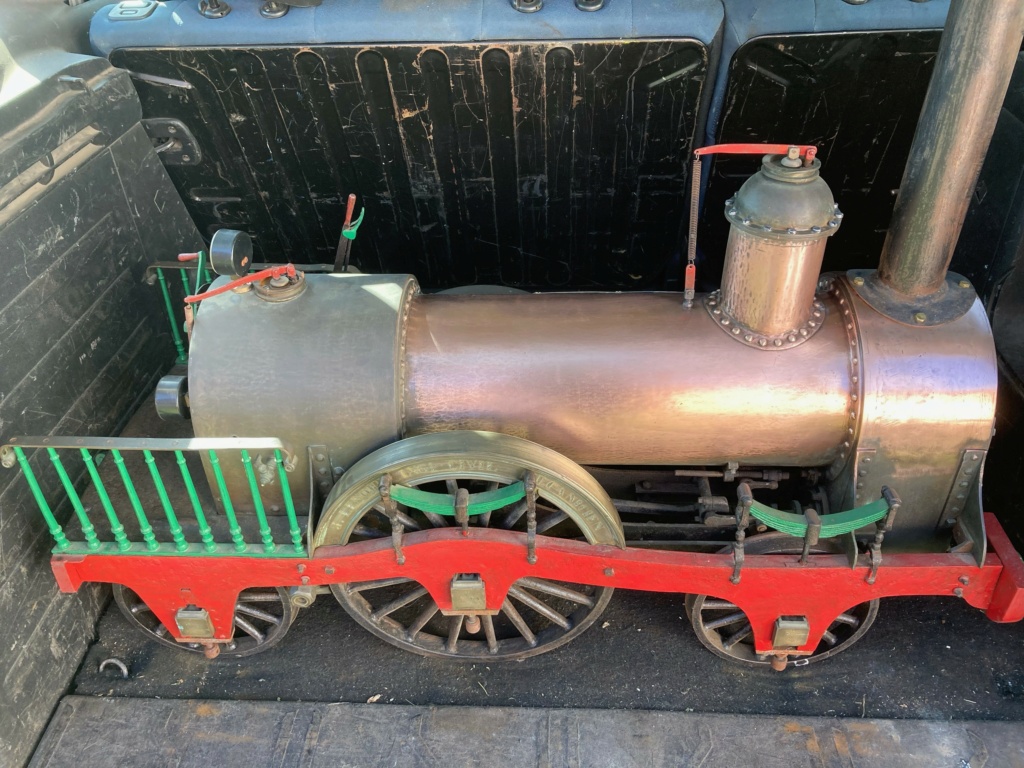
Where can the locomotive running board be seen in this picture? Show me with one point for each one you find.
(772, 585)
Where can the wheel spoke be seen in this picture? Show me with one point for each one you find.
(160, 630)
(541, 585)
(485, 518)
(543, 609)
(453, 486)
(397, 603)
(367, 532)
(421, 620)
(360, 586)
(249, 629)
(492, 642)
(259, 597)
(407, 521)
(403, 518)
(140, 608)
(454, 627)
(845, 618)
(436, 520)
(552, 521)
(744, 632)
(256, 613)
(725, 621)
(829, 638)
(519, 622)
(714, 605)
(513, 517)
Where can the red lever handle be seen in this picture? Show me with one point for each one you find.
(806, 150)
(284, 269)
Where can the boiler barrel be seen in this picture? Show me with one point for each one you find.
(622, 379)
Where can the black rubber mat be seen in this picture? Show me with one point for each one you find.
(924, 659)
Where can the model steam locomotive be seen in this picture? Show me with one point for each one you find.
(471, 474)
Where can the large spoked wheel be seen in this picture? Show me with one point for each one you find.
(724, 630)
(538, 615)
(262, 617)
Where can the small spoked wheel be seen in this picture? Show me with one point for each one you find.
(262, 617)
(538, 614)
(724, 629)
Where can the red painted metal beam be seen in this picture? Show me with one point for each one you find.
(771, 585)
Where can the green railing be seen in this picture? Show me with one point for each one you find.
(192, 275)
(121, 496)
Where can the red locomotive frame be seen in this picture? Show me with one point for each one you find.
(819, 589)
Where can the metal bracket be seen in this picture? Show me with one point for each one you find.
(391, 510)
(468, 593)
(194, 622)
(530, 486)
(881, 528)
(320, 466)
(744, 499)
(865, 462)
(963, 508)
(462, 510)
(173, 141)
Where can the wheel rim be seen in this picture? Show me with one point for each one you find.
(262, 617)
(723, 628)
(539, 615)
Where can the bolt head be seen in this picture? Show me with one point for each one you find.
(920, 317)
(858, 280)
(964, 284)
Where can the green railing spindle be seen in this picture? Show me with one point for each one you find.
(184, 281)
(51, 522)
(179, 344)
(204, 527)
(229, 510)
(115, 525)
(172, 519)
(88, 531)
(261, 514)
(200, 270)
(136, 505)
(289, 506)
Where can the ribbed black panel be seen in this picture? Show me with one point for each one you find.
(856, 95)
(540, 165)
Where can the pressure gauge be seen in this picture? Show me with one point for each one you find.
(231, 252)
